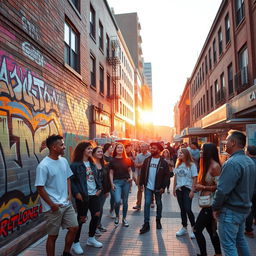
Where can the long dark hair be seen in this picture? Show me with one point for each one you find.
(102, 161)
(115, 153)
(78, 153)
(210, 152)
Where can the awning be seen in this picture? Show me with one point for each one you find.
(196, 131)
(177, 138)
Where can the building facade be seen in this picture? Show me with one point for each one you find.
(147, 70)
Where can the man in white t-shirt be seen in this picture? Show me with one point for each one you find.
(154, 177)
(53, 185)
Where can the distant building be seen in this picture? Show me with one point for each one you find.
(147, 69)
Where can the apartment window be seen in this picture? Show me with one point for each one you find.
(239, 6)
(107, 46)
(207, 100)
(203, 71)
(220, 38)
(71, 46)
(210, 58)
(101, 79)
(214, 51)
(93, 70)
(92, 22)
(101, 39)
(108, 86)
(203, 104)
(206, 65)
(76, 3)
(211, 96)
(216, 87)
(227, 28)
(222, 86)
(230, 80)
(243, 65)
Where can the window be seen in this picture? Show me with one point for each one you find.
(93, 70)
(108, 85)
(76, 3)
(203, 104)
(107, 46)
(230, 80)
(214, 51)
(210, 58)
(71, 47)
(243, 65)
(227, 28)
(216, 87)
(92, 22)
(222, 87)
(203, 71)
(101, 79)
(207, 100)
(239, 5)
(220, 38)
(101, 39)
(211, 96)
(206, 65)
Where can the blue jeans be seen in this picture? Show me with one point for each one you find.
(121, 192)
(231, 232)
(148, 199)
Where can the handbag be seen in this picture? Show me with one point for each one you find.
(205, 201)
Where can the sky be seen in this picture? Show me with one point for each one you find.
(173, 34)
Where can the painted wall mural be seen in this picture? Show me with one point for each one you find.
(29, 112)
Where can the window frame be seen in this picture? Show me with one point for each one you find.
(92, 22)
(101, 79)
(93, 73)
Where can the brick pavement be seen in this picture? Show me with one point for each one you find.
(127, 241)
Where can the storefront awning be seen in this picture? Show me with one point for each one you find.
(196, 131)
(177, 138)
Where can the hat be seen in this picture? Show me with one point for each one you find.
(160, 147)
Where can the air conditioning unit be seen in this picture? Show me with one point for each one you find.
(100, 106)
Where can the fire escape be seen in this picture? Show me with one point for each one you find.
(115, 60)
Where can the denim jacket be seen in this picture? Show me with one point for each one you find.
(78, 180)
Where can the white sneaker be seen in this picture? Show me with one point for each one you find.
(182, 231)
(93, 242)
(116, 221)
(125, 223)
(76, 247)
(192, 235)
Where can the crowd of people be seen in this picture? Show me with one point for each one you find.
(226, 193)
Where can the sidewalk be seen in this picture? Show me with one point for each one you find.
(127, 241)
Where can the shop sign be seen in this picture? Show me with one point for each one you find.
(252, 96)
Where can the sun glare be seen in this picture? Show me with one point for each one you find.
(146, 117)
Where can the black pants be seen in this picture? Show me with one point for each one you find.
(205, 220)
(249, 219)
(93, 204)
(185, 206)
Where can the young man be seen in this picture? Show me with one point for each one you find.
(232, 201)
(53, 185)
(154, 177)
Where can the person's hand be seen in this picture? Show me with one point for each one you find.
(216, 214)
(141, 188)
(199, 187)
(69, 198)
(107, 195)
(83, 219)
(113, 187)
(55, 207)
(174, 193)
(191, 194)
(130, 180)
(161, 191)
(98, 192)
(79, 197)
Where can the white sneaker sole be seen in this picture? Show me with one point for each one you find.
(79, 253)
(93, 245)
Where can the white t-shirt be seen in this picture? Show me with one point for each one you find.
(53, 175)
(91, 185)
(152, 173)
(184, 175)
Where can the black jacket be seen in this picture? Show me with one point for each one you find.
(78, 180)
(162, 173)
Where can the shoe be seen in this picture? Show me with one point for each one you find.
(116, 221)
(145, 228)
(66, 254)
(182, 231)
(158, 224)
(76, 247)
(91, 241)
(168, 191)
(136, 207)
(249, 234)
(112, 215)
(125, 223)
(152, 205)
(102, 229)
(192, 235)
(97, 232)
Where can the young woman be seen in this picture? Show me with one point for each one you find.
(207, 183)
(86, 189)
(183, 187)
(167, 157)
(103, 176)
(120, 177)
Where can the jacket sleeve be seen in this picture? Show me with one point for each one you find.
(143, 172)
(166, 174)
(74, 180)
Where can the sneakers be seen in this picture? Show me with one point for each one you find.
(91, 241)
(192, 235)
(168, 191)
(112, 215)
(97, 232)
(137, 207)
(249, 234)
(116, 221)
(182, 231)
(102, 229)
(145, 228)
(125, 223)
(76, 247)
(158, 224)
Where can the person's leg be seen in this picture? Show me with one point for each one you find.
(148, 195)
(117, 196)
(94, 207)
(158, 198)
(139, 193)
(183, 214)
(249, 222)
(168, 184)
(50, 245)
(125, 193)
(187, 202)
(112, 201)
(102, 199)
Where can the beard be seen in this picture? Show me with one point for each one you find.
(155, 153)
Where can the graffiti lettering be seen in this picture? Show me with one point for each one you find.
(30, 28)
(34, 54)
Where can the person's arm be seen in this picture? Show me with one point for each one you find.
(69, 190)
(74, 181)
(191, 193)
(174, 185)
(46, 198)
(143, 173)
(111, 175)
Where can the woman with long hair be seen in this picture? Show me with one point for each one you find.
(103, 176)
(207, 183)
(183, 187)
(120, 178)
(86, 189)
(167, 157)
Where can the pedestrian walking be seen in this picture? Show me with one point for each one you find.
(206, 185)
(185, 175)
(195, 153)
(138, 164)
(167, 157)
(86, 189)
(53, 185)
(232, 201)
(154, 178)
(120, 177)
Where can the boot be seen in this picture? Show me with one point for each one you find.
(158, 224)
(145, 228)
